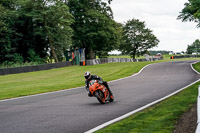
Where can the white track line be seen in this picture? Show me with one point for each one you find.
(132, 75)
(139, 109)
(70, 89)
(193, 68)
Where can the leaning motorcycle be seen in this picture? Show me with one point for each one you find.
(100, 92)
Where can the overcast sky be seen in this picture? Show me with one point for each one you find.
(161, 17)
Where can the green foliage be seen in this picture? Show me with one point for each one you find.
(137, 38)
(94, 27)
(58, 28)
(155, 52)
(33, 57)
(9, 64)
(194, 47)
(18, 58)
(7, 32)
(191, 12)
(50, 22)
(44, 29)
(39, 25)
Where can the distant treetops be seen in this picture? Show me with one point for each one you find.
(44, 29)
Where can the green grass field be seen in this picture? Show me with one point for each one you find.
(160, 118)
(24, 84)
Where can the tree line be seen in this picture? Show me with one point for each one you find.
(41, 30)
(194, 47)
(190, 12)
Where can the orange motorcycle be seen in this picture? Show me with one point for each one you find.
(100, 92)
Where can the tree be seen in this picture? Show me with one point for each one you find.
(8, 34)
(191, 12)
(45, 25)
(137, 38)
(155, 52)
(30, 29)
(4, 35)
(94, 27)
(194, 47)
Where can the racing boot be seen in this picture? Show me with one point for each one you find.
(106, 85)
(111, 94)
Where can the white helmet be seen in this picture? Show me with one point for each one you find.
(87, 75)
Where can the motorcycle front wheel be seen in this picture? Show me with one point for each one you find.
(100, 97)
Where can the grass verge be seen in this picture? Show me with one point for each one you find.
(160, 118)
(24, 84)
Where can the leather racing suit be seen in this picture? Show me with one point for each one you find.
(95, 77)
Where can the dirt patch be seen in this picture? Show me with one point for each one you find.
(188, 121)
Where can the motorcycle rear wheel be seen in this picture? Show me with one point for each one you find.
(99, 96)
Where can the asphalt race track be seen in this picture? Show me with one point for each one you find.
(72, 111)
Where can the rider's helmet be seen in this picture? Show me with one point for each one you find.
(87, 75)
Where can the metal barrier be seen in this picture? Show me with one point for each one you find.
(184, 56)
(110, 60)
(198, 112)
(25, 69)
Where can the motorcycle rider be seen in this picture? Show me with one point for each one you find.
(90, 77)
